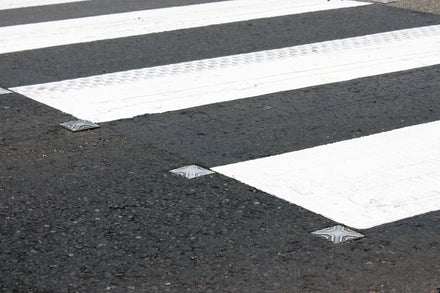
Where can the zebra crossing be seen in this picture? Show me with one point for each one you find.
(385, 175)
(88, 29)
(220, 79)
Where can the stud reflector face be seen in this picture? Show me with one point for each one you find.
(79, 125)
(191, 171)
(338, 234)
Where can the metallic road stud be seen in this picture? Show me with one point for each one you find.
(79, 125)
(338, 234)
(4, 92)
(191, 171)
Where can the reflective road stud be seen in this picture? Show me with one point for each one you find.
(191, 171)
(338, 234)
(79, 125)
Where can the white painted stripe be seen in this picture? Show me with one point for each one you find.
(87, 29)
(190, 84)
(12, 4)
(361, 183)
(4, 91)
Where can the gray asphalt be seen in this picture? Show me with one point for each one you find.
(428, 6)
(98, 211)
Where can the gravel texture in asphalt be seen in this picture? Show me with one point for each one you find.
(428, 6)
(99, 211)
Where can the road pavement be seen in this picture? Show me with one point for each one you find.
(100, 211)
(428, 6)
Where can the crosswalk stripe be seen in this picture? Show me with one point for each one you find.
(3, 91)
(361, 183)
(13, 4)
(88, 29)
(178, 86)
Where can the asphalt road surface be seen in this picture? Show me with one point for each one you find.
(429, 6)
(309, 115)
